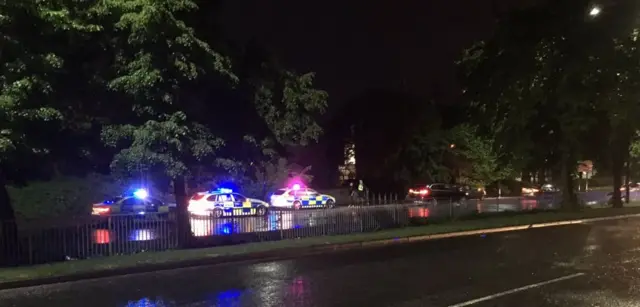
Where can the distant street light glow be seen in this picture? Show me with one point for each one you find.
(595, 11)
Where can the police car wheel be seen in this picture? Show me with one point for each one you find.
(261, 211)
(217, 213)
(330, 204)
(297, 205)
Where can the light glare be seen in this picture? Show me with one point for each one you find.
(141, 193)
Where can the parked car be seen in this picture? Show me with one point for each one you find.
(474, 193)
(435, 193)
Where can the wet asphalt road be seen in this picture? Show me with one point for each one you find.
(438, 273)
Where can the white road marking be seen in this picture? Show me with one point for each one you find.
(512, 291)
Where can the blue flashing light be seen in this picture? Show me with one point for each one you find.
(141, 193)
(222, 190)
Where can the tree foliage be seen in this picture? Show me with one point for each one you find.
(288, 104)
(137, 76)
(486, 164)
(169, 147)
(546, 90)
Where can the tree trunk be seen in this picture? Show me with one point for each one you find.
(569, 197)
(617, 169)
(619, 154)
(184, 227)
(627, 180)
(9, 242)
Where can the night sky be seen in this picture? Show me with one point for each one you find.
(407, 45)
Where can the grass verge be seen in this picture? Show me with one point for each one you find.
(480, 221)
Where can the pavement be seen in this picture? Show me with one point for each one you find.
(579, 265)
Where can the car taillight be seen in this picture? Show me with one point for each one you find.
(100, 210)
(422, 192)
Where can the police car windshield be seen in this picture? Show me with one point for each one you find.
(280, 192)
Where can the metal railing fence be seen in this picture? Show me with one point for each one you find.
(90, 237)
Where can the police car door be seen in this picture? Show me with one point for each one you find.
(132, 205)
(226, 201)
(241, 204)
(314, 198)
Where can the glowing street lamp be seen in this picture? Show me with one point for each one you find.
(595, 11)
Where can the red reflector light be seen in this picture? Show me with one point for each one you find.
(100, 210)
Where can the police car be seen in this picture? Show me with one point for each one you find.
(224, 202)
(138, 202)
(298, 197)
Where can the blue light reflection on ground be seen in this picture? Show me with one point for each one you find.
(147, 302)
(227, 298)
(227, 229)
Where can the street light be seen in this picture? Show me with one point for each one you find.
(452, 146)
(595, 11)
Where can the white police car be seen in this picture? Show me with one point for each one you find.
(224, 202)
(298, 197)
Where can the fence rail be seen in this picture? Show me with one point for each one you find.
(91, 237)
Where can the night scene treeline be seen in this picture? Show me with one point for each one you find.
(137, 90)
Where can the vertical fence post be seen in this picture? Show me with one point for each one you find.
(450, 207)
(325, 221)
(280, 225)
(110, 232)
